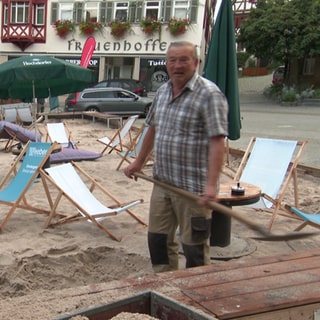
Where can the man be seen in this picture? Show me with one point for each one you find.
(40, 105)
(188, 124)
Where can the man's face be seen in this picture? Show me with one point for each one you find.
(181, 64)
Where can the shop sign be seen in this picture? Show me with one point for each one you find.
(92, 62)
(150, 45)
(156, 62)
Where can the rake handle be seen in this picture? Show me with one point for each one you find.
(213, 205)
(264, 233)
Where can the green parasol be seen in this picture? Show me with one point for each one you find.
(33, 76)
(221, 64)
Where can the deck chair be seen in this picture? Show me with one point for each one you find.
(312, 219)
(16, 135)
(60, 133)
(134, 148)
(271, 164)
(21, 176)
(24, 115)
(10, 114)
(67, 178)
(116, 142)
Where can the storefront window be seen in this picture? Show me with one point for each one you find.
(153, 73)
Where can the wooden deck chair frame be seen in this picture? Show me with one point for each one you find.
(12, 141)
(59, 132)
(134, 148)
(227, 168)
(20, 178)
(81, 213)
(116, 142)
(289, 174)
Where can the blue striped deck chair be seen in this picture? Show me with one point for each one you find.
(312, 219)
(78, 187)
(20, 177)
(135, 147)
(271, 164)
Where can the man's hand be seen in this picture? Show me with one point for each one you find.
(131, 169)
(209, 196)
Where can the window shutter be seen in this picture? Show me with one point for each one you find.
(54, 12)
(109, 12)
(138, 16)
(194, 11)
(135, 11)
(103, 12)
(78, 12)
(166, 10)
(132, 11)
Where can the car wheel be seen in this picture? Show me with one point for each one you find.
(146, 110)
(93, 109)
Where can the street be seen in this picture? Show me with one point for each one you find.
(268, 119)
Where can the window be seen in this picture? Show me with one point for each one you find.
(66, 11)
(91, 95)
(107, 94)
(39, 14)
(91, 11)
(152, 9)
(125, 95)
(19, 12)
(308, 68)
(181, 9)
(121, 11)
(5, 15)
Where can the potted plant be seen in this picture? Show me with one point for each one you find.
(289, 96)
(150, 26)
(178, 26)
(119, 28)
(90, 27)
(63, 27)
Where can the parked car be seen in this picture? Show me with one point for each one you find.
(278, 75)
(110, 100)
(132, 85)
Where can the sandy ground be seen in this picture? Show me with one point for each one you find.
(43, 271)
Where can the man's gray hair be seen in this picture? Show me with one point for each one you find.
(184, 44)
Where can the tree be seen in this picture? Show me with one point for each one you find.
(282, 30)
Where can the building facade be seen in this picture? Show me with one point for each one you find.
(60, 28)
(35, 27)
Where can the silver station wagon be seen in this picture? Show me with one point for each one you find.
(109, 100)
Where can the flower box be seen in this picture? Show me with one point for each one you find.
(64, 27)
(150, 26)
(90, 27)
(119, 28)
(178, 26)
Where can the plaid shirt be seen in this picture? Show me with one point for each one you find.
(184, 126)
